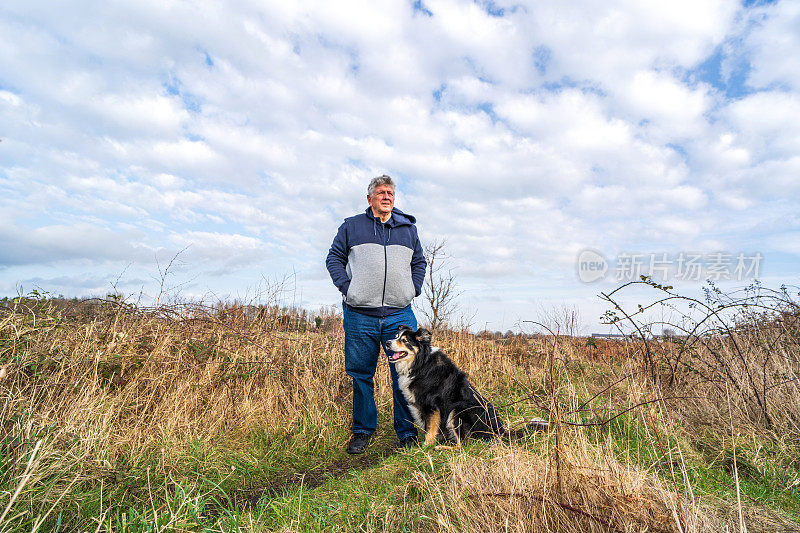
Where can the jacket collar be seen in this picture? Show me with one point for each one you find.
(398, 218)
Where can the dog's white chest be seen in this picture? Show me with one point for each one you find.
(404, 382)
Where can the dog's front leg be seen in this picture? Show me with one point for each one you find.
(432, 429)
(453, 424)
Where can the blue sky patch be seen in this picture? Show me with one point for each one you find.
(541, 58)
(680, 149)
(175, 87)
(419, 7)
(491, 8)
(488, 108)
(585, 86)
(437, 94)
(710, 71)
(5, 87)
(757, 3)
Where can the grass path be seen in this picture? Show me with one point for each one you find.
(303, 480)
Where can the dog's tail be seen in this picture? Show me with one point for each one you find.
(534, 424)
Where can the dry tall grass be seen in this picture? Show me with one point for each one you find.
(115, 397)
(736, 354)
(517, 490)
(134, 380)
(755, 365)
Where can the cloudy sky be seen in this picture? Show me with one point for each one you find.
(242, 133)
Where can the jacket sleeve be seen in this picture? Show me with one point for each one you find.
(418, 265)
(337, 260)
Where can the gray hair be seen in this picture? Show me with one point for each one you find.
(380, 180)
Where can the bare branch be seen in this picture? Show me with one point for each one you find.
(440, 289)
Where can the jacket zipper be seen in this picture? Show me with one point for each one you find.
(385, 263)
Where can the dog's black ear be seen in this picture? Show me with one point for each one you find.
(423, 335)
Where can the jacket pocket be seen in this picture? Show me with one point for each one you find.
(366, 263)
(361, 293)
(399, 284)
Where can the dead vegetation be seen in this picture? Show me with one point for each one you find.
(159, 417)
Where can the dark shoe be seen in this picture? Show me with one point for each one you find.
(409, 442)
(358, 443)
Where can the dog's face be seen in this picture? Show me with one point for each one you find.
(407, 344)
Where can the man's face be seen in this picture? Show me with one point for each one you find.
(381, 201)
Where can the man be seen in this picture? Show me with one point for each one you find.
(376, 262)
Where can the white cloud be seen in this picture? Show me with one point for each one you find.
(612, 42)
(250, 130)
(786, 241)
(766, 123)
(231, 250)
(676, 110)
(138, 114)
(773, 46)
(10, 99)
(48, 244)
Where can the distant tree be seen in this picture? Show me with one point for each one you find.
(440, 289)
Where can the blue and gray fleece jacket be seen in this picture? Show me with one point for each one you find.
(378, 267)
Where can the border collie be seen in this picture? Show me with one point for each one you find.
(439, 394)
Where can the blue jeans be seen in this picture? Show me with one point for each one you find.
(363, 337)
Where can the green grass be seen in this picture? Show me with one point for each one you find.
(767, 475)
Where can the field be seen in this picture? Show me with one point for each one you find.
(226, 418)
